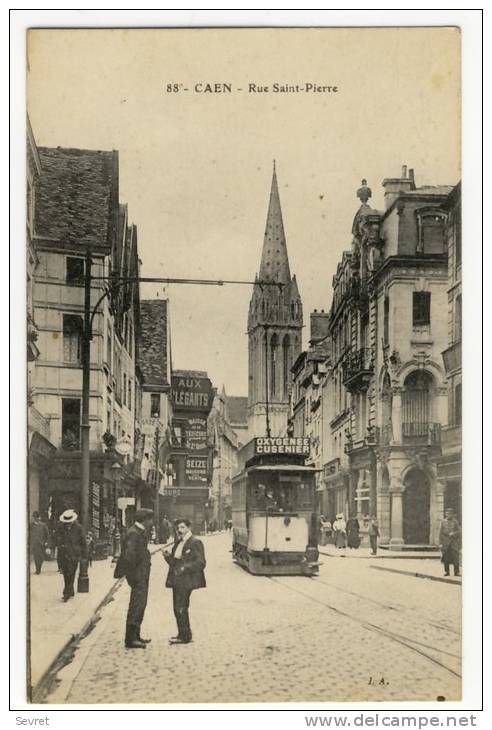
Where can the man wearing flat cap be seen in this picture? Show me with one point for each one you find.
(72, 548)
(135, 560)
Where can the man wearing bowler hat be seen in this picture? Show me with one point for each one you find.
(186, 565)
(135, 561)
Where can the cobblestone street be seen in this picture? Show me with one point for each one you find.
(353, 633)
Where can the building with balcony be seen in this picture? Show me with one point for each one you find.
(392, 368)
(449, 465)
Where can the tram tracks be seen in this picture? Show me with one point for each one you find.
(386, 606)
(407, 641)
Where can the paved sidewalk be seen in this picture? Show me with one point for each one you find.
(365, 552)
(414, 564)
(54, 623)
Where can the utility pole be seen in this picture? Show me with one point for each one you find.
(83, 580)
(157, 481)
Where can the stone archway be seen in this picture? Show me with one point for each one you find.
(416, 508)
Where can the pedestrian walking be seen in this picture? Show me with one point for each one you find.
(90, 547)
(72, 548)
(134, 564)
(324, 530)
(373, 532)
(450, 542)
(40, 537)
(340, 531)
(353, 529)
(166, 529)
(186, 563)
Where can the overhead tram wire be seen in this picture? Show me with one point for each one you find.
(175, 280)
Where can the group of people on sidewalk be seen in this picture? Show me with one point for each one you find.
(343, 534)
(186, 561)
(346, 533)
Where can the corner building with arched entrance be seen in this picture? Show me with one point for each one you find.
(393, 368)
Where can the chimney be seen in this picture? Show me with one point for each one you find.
(395, 186)
(320, 322)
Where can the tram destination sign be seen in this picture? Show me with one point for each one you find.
(283, 445)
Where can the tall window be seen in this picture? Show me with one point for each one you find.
(129, 403)
(124, 389)
(286, 363)
(273, 364)
(421, 308)
(386, 318)
(457, 319)
(416, 403)
(457, 404)
(109, 345)
(75, 271)
(70, 423)
(72, 338)
(155, 405)
(432, 234)
(457, 231)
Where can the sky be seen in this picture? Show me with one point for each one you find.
(196, 168)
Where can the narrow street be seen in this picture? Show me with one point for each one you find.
(353, 634)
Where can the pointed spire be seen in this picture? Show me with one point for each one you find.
(274, 258)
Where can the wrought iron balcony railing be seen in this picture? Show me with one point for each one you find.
(358, 368)
(421, 433)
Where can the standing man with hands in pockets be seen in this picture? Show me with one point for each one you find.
(134, 563)
(186, 563)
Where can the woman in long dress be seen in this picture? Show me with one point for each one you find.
(340, 532)
(353, 527)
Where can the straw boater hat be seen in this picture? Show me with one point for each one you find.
(340, 516)
(68, 516)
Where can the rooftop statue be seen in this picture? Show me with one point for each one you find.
(364, 192)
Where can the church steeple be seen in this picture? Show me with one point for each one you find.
(274, 258)
(274, 329)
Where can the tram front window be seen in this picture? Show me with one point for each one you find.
(274, 497)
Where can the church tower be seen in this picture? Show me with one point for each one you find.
(274, 330)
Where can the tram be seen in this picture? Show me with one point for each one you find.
(273, 508)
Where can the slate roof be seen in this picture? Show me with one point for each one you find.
(152, 351)
(76, 196)
(237, 409)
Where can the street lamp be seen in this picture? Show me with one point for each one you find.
(117, 472)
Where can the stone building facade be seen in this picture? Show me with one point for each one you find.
(76, 213)
(449, 465)
(274, 329)
(384, 390)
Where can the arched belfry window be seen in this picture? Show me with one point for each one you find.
(273, 364)
(286, 363)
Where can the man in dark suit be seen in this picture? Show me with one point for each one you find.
(186, 565)
(72, 548)
(136, 564)
(39, 541)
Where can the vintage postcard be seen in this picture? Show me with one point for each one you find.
(244, 325)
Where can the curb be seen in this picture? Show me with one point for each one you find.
(440, 579)
(38, 693)
(383, 556)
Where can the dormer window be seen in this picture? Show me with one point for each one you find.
(431, 232)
